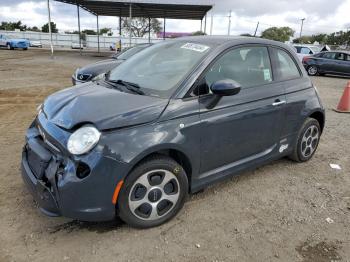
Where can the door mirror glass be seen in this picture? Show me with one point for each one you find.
(226, 87)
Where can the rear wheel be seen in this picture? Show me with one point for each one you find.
(307, 142)
(153, 192)
(312, 70)
(9, 47)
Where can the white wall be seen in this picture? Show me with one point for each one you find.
(65, 40)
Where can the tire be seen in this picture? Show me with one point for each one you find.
(145, 186)
(9, 47)
(25, 48)
(307, 142)
(312, 70)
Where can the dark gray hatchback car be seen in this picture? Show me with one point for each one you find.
(169, 121)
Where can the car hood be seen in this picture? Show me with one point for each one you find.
(100, 67)
(104, 107)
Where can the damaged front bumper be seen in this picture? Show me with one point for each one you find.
(78, 187)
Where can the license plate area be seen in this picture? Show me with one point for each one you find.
(38, 158)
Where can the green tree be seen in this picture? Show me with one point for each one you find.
(246, 34)
(34, 29)
(278, 33)
(140, 27)
(106, 31)
(304, 40)
(198, 33)
(89, 32)
(11, 26)
(45, 28)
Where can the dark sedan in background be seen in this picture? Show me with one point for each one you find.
(332, 62)
(97, 70)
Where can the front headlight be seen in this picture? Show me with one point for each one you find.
(99, 77)
(83, 140)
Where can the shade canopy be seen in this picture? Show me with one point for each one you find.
(142, 8)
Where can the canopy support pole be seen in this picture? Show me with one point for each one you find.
(164, 28)
(149, 30)
(211, 24)
(205, 23)
(79, 29)
(50, 32)
(120, 32)
(130, 17)
(98, 34)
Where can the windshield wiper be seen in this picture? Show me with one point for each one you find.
(130, 86)
(114, 85)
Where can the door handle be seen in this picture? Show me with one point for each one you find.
(278, 103)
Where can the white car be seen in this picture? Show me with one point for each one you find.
(77, 46)
(306, 50)
(35, 43)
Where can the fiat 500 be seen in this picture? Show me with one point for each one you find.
(171, 120)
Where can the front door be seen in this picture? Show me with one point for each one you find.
(246, 126)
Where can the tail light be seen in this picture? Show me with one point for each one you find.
(306, 58)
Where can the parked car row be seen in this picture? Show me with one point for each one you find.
(318, 61)
(18, 43)
(168, 121)
(331, 62)
(12, 43)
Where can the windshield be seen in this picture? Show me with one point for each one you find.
(130, 52)
(315, 49)
(158, 69)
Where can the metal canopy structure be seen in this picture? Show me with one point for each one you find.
(142, 9)
(136, 8)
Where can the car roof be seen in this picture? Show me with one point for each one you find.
(306, 45)
(224, 40)
(337, 51)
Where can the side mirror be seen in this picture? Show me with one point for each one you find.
(226, 87)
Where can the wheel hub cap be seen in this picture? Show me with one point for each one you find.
(154, 194)
(309, 141)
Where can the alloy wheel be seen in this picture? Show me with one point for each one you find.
(309, 141)
(312, 70)
(154, 194)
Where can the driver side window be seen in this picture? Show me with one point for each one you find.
(249, 66)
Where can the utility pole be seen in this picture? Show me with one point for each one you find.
(229, 24)
(211, 24)
(256, 29)
(49, 13)
(301, 28)
(79, 29)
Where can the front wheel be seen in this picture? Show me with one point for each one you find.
(9, 47)
(153, 192)
(307, 142)
(312, 70)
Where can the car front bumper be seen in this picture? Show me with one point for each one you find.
(51, 176)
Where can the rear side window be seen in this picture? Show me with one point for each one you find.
(286, 67)
(249, 66)
(340, 56)
(329, 55)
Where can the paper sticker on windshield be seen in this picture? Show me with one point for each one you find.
(195, 47)
(267, 75)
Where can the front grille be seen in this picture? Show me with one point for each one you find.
(83, 77)
(44, 139)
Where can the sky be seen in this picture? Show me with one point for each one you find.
(321, 16)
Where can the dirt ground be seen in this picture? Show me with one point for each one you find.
(276, 213)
